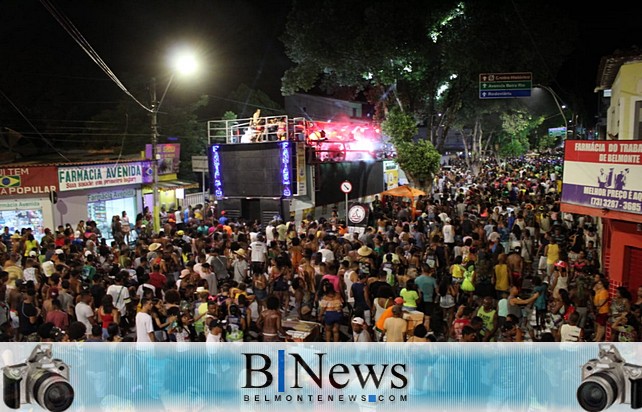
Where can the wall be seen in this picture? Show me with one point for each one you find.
(621, 235)
(72, 205)
(626, 90)
(366, 178)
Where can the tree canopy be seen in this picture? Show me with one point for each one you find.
(424, 57)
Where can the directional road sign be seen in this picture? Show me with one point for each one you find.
(505, 85)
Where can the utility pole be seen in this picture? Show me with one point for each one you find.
(154, 119)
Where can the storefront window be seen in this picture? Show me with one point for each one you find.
(17, 220)
(102, 207)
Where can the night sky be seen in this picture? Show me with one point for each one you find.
(42, 68)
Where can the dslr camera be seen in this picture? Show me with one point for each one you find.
(608, 380)
(41, 379)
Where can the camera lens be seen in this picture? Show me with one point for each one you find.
(597, 392)
(53, 392)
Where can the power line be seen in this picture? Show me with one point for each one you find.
(84, 44)
(34, 127)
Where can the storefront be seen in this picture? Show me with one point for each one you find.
(26, 194)
(100, 192)
(171, 192)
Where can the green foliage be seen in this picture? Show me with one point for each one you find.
(419, 160)
(424, 56)
(516, 129)
(546, 142)
(399, 126)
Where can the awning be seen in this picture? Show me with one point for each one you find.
(172, 185)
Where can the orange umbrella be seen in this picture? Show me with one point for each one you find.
(405, 191)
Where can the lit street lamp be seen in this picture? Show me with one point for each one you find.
(184, 64)
(559, 106)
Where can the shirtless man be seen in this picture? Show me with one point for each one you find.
(515, 263)
(270, 321)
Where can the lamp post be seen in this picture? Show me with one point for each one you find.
(559, 107)
(184, 63)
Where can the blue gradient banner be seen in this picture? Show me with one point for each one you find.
(407, 377)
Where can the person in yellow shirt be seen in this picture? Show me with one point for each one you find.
(602, 309)
(552, 253)
(501, 278)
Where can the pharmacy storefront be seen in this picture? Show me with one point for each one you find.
(26, 194)
(100, 192)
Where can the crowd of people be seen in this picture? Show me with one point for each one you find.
(484, 257)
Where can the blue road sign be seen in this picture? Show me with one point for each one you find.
(503, 94)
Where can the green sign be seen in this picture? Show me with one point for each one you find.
(505, 85)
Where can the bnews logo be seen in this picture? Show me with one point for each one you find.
(292, 372)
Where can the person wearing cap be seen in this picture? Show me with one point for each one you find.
(448, 232)
(560, 278)
(359, 330)
(184, 274)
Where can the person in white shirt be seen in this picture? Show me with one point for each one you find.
(269, 231)
(84, 312)
(327, 255)
(120, 293)
(359, 332)
(570, 332)
(449, 233)
(144, 322)
(258, 255)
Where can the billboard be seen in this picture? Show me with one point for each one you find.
(31, 181)
(253, 170)
(264, 377)
(603, 175)
(169, 156)
(102, 175)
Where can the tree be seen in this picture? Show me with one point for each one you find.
(423, 57)
(516, 129)
(244, 101)
(417, 158)
(130, 126)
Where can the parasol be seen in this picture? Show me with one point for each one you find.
(405, 191)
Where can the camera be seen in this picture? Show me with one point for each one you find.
(41, 379)
(608, 380)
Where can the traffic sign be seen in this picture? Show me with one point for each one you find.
(346, 187)
(503, 94)
(505, 85)
(358, 215)
(199, 164)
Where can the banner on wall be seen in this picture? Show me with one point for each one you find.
(169, 156)
(603, 175)
(407, 377)
(103, 175)
(18, 181)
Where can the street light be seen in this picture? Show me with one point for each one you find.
(184, 63)
(559, 106)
